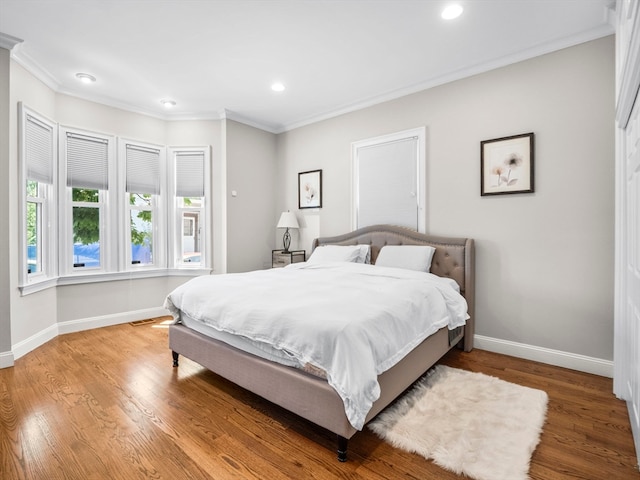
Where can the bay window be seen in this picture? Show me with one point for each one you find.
(37, 179)
(94, 212)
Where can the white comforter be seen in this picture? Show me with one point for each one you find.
(354, 321)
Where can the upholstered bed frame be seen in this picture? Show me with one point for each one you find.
(311, 397)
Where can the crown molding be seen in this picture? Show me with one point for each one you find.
(236, 117)
(8, 41)
(543, 49)
(629, 74)
(23, 59)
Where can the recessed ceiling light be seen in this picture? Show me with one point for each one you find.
(452, 11)
(277, 87)
(168, 103)
(85, 77)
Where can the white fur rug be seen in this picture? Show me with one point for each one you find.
(468, 423)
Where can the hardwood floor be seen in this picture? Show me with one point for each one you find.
(106, 404)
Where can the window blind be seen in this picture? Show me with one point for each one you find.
(87, 162)
(143, 170)
(189, 174)
(387, 187)
(39, 150)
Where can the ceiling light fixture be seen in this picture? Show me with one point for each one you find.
(277, 87)
(452, 11)
(85, 78)
(168, 103)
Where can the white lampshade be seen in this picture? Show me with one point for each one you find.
(288, 220)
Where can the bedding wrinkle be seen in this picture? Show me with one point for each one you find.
(377, 315)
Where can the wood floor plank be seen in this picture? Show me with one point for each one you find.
(107, 404)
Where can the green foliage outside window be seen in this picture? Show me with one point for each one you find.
(32, 213)
(32, 223)
(86, 220)
(138, 236)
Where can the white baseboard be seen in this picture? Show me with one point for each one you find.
(22, 348)
(6, 359)
(34, 341)
(529, 352)
(82, 324)
(558, 358)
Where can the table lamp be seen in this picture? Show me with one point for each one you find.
(287, 220)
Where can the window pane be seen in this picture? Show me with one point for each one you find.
(194, 202)
(33, 243)
(86, 236)
(32, 188)
(85, 195)
(191, 237)
(141, 236)
(140, 199)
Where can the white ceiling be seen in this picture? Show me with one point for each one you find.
(218, 58)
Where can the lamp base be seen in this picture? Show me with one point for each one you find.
(286, 241)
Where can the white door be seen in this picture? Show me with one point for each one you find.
(627, 305)
(627, 380)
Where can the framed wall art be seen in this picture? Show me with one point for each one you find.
(310, 189)
(506, 165)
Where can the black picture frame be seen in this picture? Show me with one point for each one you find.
(310, 189)
(506, 165)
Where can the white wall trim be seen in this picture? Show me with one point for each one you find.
(574, 361)
(34, 341)
(82, 324)
(466, 72)
(9, 41)
(22, 58)
(558, 358)
(6, 359)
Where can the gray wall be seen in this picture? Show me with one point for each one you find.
(544, 260)
(251, 174)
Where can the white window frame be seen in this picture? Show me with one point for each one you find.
(421, 163)
(46, 199)
(158, 210)
(175, 211)
(56, 213)
(108, 205)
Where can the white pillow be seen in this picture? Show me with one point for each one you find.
(365, 254)
(335, 253)
(411, 257)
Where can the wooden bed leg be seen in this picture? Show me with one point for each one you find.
(342, 448)
(175, 358)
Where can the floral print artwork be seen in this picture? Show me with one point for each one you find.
(504, 172)
(507, 165)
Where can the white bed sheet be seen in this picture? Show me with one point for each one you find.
(375, 316)
(245, 344)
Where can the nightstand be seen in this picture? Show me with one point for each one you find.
(280, 258)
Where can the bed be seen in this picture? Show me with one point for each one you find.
(307, 392)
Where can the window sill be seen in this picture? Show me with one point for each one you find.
(110, 277)
(38, 286)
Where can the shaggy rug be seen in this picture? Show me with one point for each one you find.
(468, 423)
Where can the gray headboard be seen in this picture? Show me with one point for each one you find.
(454, 257)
